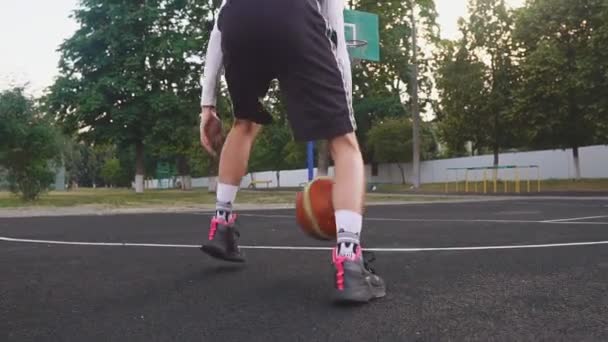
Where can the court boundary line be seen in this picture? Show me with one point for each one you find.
(310, 248)
(389, 219)
(576, 219)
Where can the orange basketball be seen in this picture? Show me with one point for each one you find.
(315, 211)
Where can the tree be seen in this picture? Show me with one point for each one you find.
(105, 81)
(563, 90)
(390, 141)
(386, 84)
(111, 172)
(183, 30)
(462, 111)
(129, 66)
(73, 161)
(491, 29)
(477, 78)
(29, 145)
(391, 76)
(371, 109)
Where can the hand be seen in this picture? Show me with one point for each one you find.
(211, 130)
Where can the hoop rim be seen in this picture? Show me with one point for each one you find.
(356, 43)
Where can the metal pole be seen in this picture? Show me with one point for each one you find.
(517, 182)
(311, 160)
(414, 99)
(538, 178)
(485, 184)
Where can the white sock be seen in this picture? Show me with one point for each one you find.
(349, 225)
(226, 195)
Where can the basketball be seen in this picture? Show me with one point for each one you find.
(315, 211)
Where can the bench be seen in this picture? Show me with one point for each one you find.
(253, 184)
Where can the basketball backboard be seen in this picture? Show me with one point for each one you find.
(362, 35)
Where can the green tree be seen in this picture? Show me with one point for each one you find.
(183, 30)
(276, 150)
(29, 145)
(462, 111)
(390, 141)
(74, 161)
(131, 71)
(105, 84)
(382, 89)
(111, 172)
(491, 28)
(563, 92)
(487, 56)
(391, 76)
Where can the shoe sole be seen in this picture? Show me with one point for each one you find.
(359, 294)
(218, 253)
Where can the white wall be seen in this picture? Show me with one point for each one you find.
(554, 164)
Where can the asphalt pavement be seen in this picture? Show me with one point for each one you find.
(513, 270)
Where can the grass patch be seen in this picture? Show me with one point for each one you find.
(125, 198)
(553, 185)
(128, 198)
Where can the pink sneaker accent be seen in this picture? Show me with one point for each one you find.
(218, 220)
(338, 261)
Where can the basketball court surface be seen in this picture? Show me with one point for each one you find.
(522, 269)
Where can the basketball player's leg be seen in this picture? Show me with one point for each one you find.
(319, 108)
(247, 80)
(222, 240)
(349, 184)
(233, 162)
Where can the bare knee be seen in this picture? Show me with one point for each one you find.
(245, 129)
(344, 145)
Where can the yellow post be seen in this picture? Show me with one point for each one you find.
(495, 177)
(517, 185)
(538, 178)
(528, 181)
(485, 184)
(457, 181)
(447, 180)
(466, 180)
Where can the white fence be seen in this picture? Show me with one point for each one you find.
(554, 164)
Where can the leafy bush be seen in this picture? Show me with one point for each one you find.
(28, 145)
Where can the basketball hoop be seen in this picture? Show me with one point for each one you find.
(355, 46)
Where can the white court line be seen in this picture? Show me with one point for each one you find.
(304, 248)
(576, 219)
(388, 219)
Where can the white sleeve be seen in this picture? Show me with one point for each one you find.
(333, 10)
(213, 66)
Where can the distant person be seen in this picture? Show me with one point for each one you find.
(301, 43)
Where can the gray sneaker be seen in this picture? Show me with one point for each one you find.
(356, 281)
(222, 243)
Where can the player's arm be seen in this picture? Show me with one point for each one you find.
(211, 127)
(334, 12)
(213, 67)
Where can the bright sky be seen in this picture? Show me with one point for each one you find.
(31, 31)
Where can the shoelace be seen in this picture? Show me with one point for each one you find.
(214, 226)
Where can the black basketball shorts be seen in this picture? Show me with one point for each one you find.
(287, 40)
